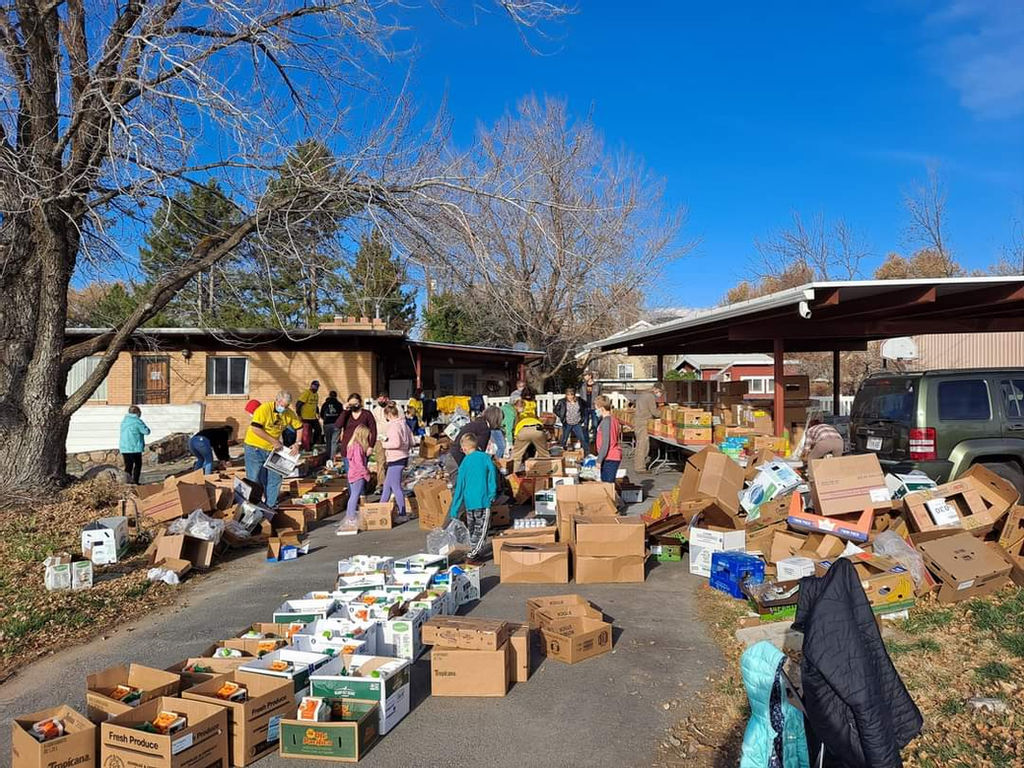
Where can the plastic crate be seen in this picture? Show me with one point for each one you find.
(730, 569)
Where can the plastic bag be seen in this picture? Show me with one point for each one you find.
(889, 544)
(198, 525)
(454, 535)
(166, 575)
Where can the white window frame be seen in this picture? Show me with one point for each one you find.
(621, 371)
(79, 372)
(210, 381)
(767, 384)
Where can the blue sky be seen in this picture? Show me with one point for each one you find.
(753, 111)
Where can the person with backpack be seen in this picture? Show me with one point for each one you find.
(329, 412)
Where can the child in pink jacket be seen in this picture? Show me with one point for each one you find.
(356, 452)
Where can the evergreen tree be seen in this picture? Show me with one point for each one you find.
(447, 319)
(374, 286)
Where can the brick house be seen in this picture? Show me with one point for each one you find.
(758, 369)
(223, 369)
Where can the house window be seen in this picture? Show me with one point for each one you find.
(760, 385)
(79, 372)
(625, 371)
(227, 375)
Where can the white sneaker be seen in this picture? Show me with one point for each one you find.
(347, 527)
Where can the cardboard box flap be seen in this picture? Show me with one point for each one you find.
(609, 536)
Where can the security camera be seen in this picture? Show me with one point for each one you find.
(805, 310)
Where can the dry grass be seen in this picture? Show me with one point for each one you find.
(945, 654)
(34, 622)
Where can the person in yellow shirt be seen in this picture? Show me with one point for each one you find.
(308, 409)
(528, 431)
(263, 437)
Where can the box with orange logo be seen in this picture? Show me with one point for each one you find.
(351, 731)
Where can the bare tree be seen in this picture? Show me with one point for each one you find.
(820, 249)
(571, 262)
(926, 209)
(106, 108)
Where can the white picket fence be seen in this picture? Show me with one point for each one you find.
(545, 401)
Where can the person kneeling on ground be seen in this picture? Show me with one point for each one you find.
(529, 433)
(266, 435)
(609, 440)
(208, 443)
(397, 442)
(821, 440)
(476, 487)
(358, 473)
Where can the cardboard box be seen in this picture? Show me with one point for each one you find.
(377, 517)
(974, 502)
(845, 485)
(198, 552)
(576, 638)
(903, 485)
(886, 583)
(352, 730)
(501, 516)
(466, 632)
(175, 499)
(337, 636)
(205, 666)
(302, 664)
(402, 634)
(710, 474)
(152, 684)
(534, 564)
(274, 636)
(67, 572)
(287, 545)
(621, 569)
(304, 610)
(793, 568)
(544, 503)
(705, 540)
(77, 747)
(1013, 528)
(520, 650)
(855, 527)
(291, 519)
(253, 725)
(434, 447)
(545, 467)
(105, 540)
(584, 500)
(965, 565)
(822, 546)
(433, 499)
(775, 543)
(353, 677)
(202, 742)
(609, 536)
(542, 609)
(457, 672)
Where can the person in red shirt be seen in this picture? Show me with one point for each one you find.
(609, 440)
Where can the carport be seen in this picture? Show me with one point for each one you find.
(834, 317)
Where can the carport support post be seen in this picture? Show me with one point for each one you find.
(419, 369)
(780, 388)
(661, 367)
(837, 382)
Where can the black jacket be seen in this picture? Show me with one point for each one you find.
(479, 429)
(856, 703)
(331, 410)
(561, 405)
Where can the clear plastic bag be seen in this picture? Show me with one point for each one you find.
(198, 525)
(454, 535)
(166, 575)
(890, 544)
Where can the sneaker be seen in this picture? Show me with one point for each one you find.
(347, 527)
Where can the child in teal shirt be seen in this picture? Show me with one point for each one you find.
(475, 486)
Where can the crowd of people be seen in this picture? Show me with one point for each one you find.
(357, 437)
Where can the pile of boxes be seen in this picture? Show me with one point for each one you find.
(755, 532)
(325, 679)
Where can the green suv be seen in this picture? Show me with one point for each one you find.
(942, 422)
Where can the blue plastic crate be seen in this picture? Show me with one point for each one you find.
(730, 569)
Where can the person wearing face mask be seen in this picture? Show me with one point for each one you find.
(308, 408)
(379, 410)
(354, 416)
(263, 437)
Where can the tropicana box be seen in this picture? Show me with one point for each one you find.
(120, 689)
(75, 749)
(458, 672)
(200, 742)
(254, 723)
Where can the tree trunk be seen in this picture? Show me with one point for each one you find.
(33, 428)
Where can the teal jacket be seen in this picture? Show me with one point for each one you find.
(763, 745)
(476, 484)
(133, 433)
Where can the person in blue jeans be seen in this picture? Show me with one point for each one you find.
(207, 444)
(266, 435)
(572, 412)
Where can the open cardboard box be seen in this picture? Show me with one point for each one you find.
(710, 474)
(253, 723)
(542, 609)
(205, 666)
(576, 638)
(433, 499)
(965, 565)
(545, 467)
(466, 632)
(381, 679)
(177, 497)
(202, 742)
(346, 738)
(706, 539)
(273, 637)
(77, 747)
(152, 683)
(974, 502)
(608, 536)
(853, 527)
(583, 500)
(618, 569)
(1013, 528)
(887, 583)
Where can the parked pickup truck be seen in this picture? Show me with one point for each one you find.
(942, 422)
